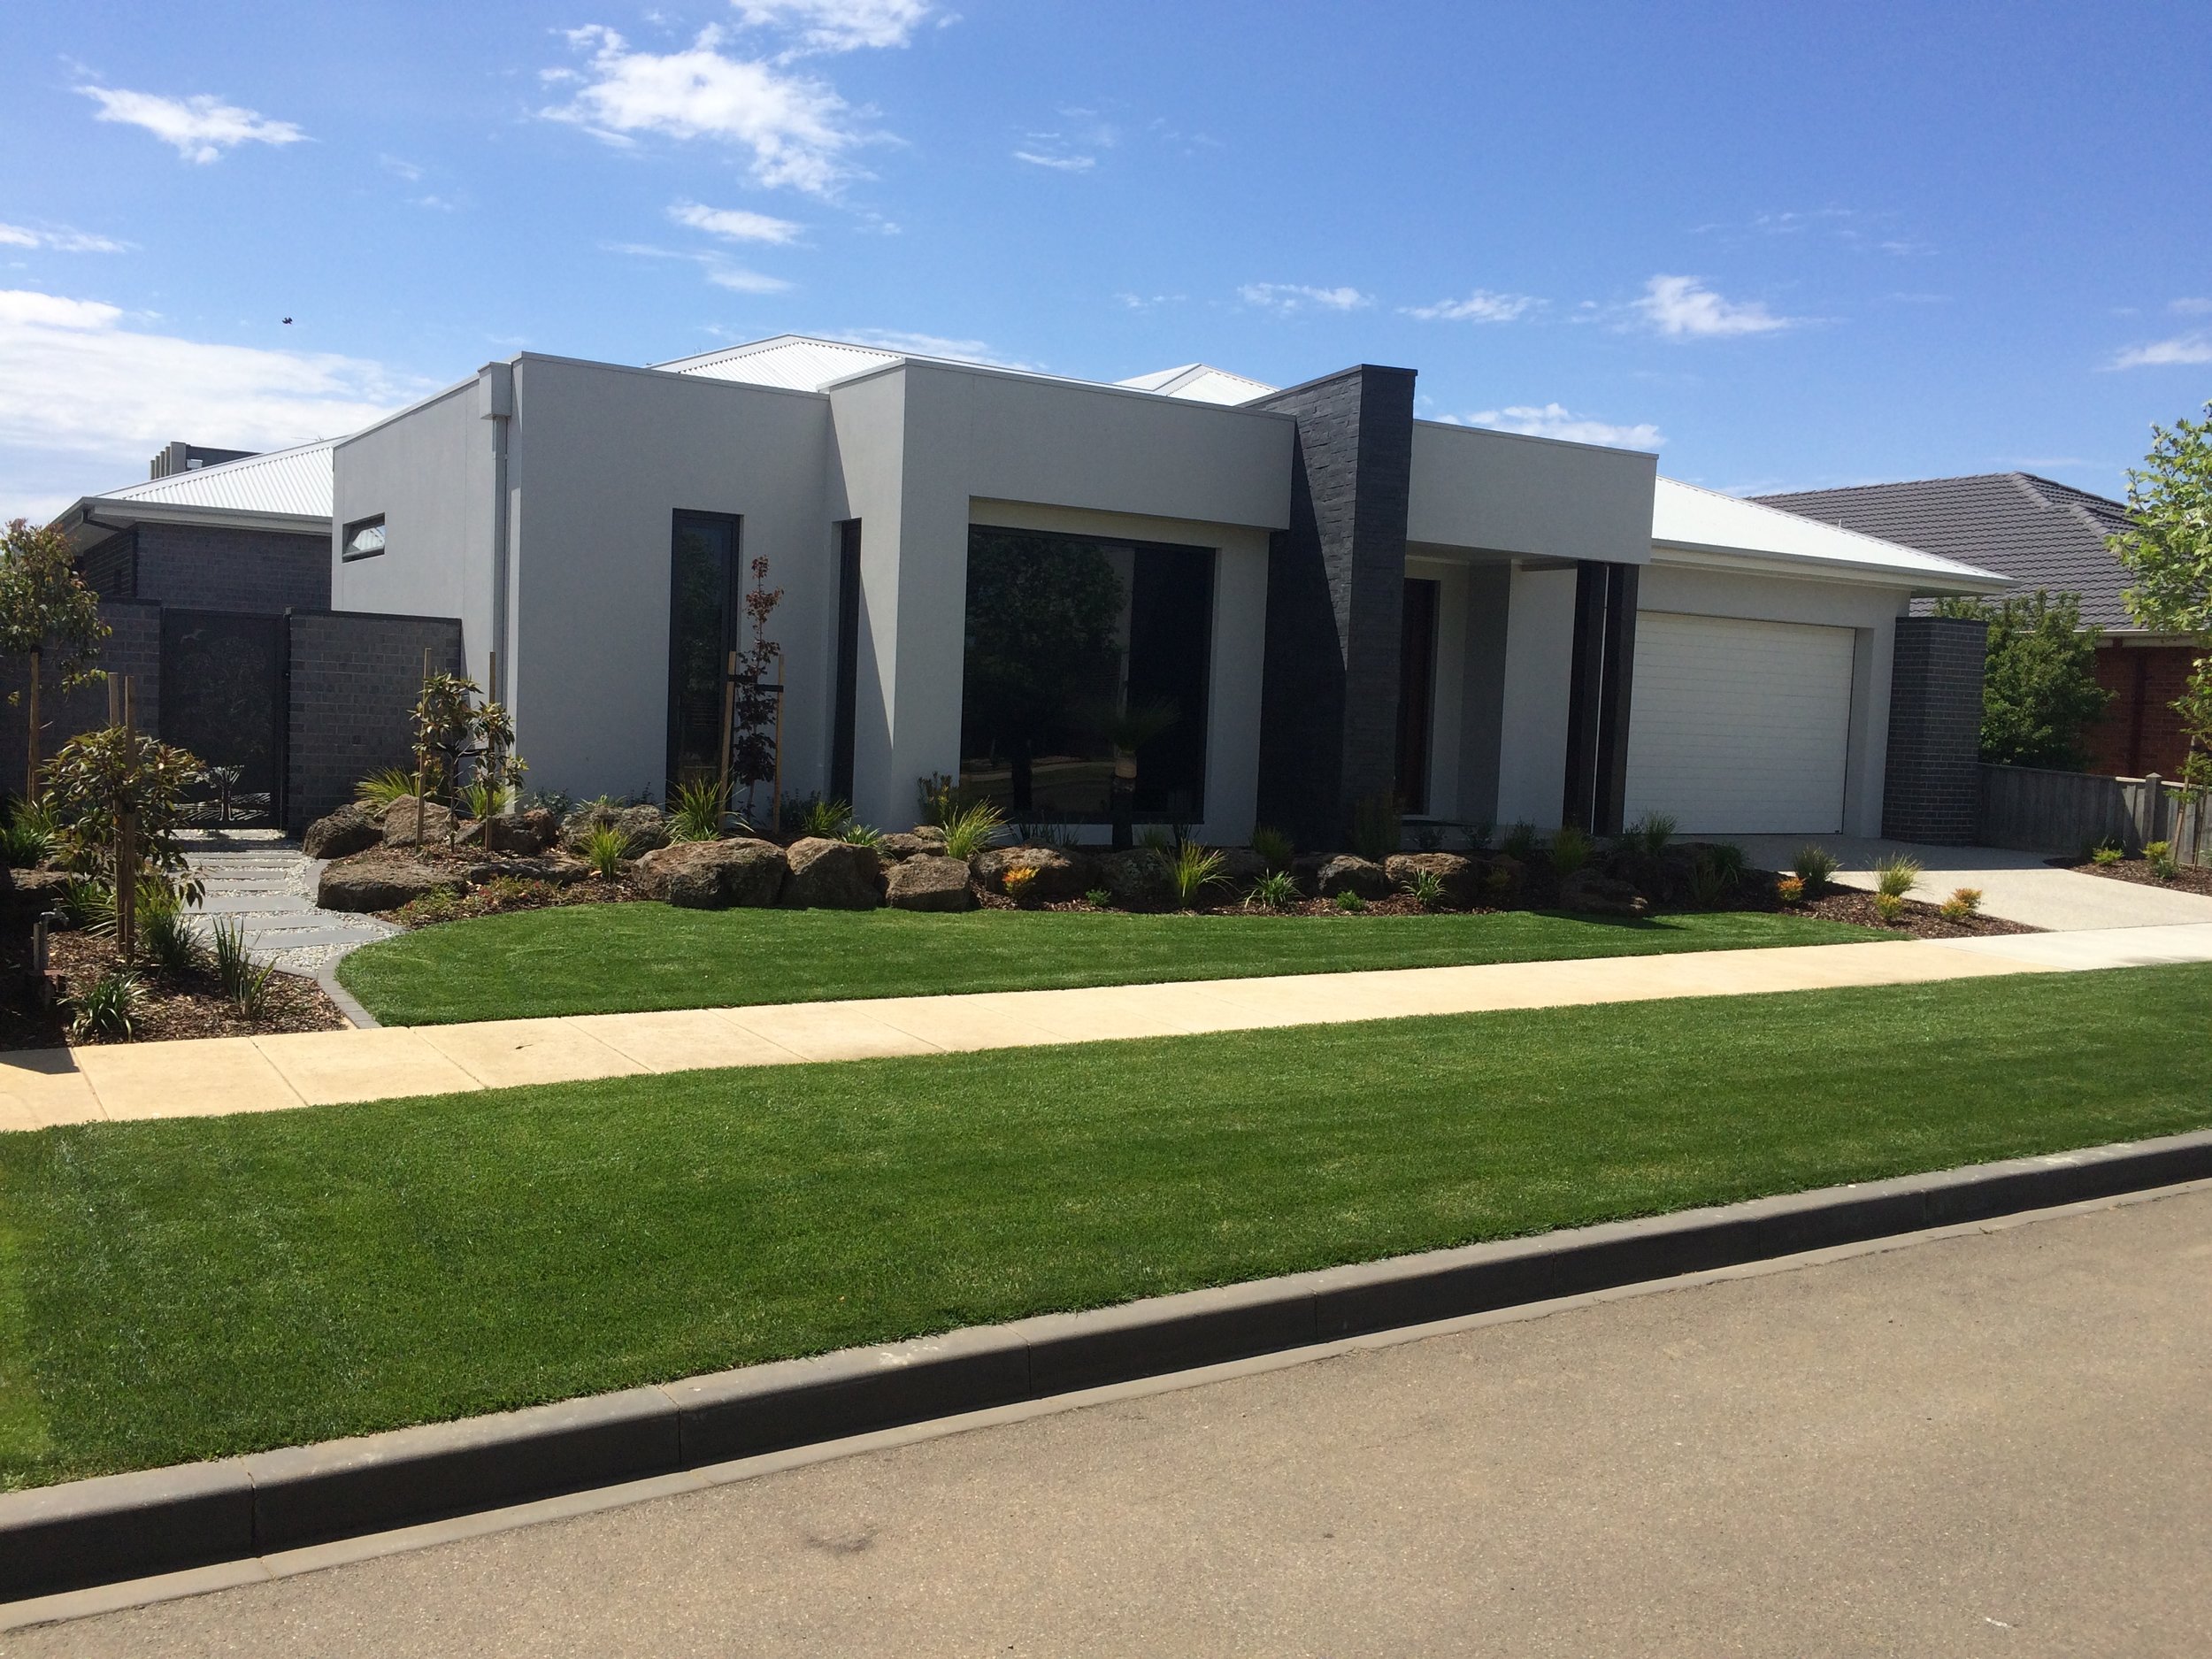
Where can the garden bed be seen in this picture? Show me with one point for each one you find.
(190, 1004)
(2186, 878)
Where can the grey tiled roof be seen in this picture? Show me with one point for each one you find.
(2043, 534)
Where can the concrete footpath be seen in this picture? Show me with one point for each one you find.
(211, 1076)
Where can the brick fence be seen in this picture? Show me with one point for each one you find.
(354, 680)
(1932, 789)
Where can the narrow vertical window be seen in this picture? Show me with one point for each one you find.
(1417, 693)
(847, 709)
(701, 632)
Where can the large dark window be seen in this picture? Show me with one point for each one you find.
(1417, 693)
(1075, 648)
(702, 610)
(846, 715)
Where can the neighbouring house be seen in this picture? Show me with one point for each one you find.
(1323, 599)
(2049, 535)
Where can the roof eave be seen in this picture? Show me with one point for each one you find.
(93, 519)
(1922, 584)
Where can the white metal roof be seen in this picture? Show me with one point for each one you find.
(1705, 521)
(295, 481)
(793, 362)
(1201, 383)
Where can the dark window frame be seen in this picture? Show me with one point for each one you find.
(845, 715)
(733, 604)
(346, 555)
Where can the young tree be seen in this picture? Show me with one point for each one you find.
(752, 702)
(2169, 553)
(45, 607)
(452, 730)
(2040, 690)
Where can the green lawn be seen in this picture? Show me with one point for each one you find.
(620, 958)
(185, 1288)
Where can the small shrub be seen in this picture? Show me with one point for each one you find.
(824, 820)
(1099, 899)
(1569, 851)
(170, 943)
(85, 903)
(1890, 908)
(1790, 889)
(1814, 866)
(1520, 842)
(2158, 857)
(859, 835)
(1020, 884)
(384, 787)
(24, 842)
(1273, 846)
(559, 802)
(1274, 891)
(944, 798)
(1158, 837)
(1729, 859)
(1499, 884)
(697, 813)
(1375, 828)
(1194, 870)
(2107, 854)
(605, 849)
(1651, 832)
(485, 798)
(972, 829)
(1350, 902)
(1708, 887)
(1964, 905)
(1425, 887)
(1428, 838)
(1897, 876)
(1478, 834)
(440, 904)
(244, 980)
(108, 1008)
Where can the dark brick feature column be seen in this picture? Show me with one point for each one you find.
(355, 678)
(1931, 786)
(1335, 589)
(1599, 680)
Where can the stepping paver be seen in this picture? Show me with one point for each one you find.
(268, 887)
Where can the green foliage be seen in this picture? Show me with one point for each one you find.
(2040, 691)
(944, 798)
(1890, 907)
(1427, 838)
(1478, 834)
(382, 788)
(605, 849)
(859, 835)
(1897, 875)
(484, 798)
(170, 943)
(1651, 832)
(108, 1008)
(1425, 887)
(1274, 847)
(697, 813)
(454, 732)
(2167, 551)
(1098, 898)
(2107, 854)
(1375, 828)
(1193, 871)
(98, 775)
(824, 820)
(1158, 837)
(1815, 867)
(27, 837)
(1709, 884)
(1729, 860)
(1964, 904)
(84, 901)
(1274, 891)
(2158, 858)
(1569, 851)
(1350, 902)
(2194, 705)
(244, 980)
(45, 605)
(972, 829)
(1521, 842)
(440, 904)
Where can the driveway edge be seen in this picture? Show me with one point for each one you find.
(85, 1532)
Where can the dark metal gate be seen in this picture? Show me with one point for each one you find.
(223, 698)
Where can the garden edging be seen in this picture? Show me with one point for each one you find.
(80, 1533)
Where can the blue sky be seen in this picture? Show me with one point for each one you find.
(1788, 246)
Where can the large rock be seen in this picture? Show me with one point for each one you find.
(1598, 894)
(715, 875)
(1059, 875)
(400, 822)
(1348, 875)
(643, 826)
(347, 830)
(828, 875)
(526, 833)
(929, 881)
(1461, 878)
(557, 868)
(1240, 867)
(899, 847)
(1138, 878)
(381, 880)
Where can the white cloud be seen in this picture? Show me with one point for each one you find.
(399, 164)
(1287, 298)
(199, 129)
(58, 239)
(1556, 420)
(1062, 164)
(718, 270)
(2182, 349)
(1481, 306)
(1681, 308)
(2191, 307)
(837, 26)
(90, 396)
(800, 134)
(733, 223)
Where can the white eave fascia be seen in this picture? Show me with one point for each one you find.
(105, 515)
(1922, 582)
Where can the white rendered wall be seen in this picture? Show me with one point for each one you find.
(1500, 492)
(428, 470)
(1532, 738)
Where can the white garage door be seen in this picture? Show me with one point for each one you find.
(1737, 726)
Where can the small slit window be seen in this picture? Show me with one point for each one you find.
(364, 538)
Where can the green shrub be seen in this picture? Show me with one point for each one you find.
(384, 787)
(1708, 887)
(1478, 834)
(972, 829)
(1194, 870)
(1890, 908)
(1425, 887)
(108, 1008)
(698, 810)
(1964, 904)
(1520, 843)
(1569, 851)
(824, 820)
(1651, 832)
(1375, 828)
(165, 933)
(1729, 860)
(440, 904)
(1274, 891)
(1500, 885)
(26, 838)
(1099, 899)
(859, 835)
(2107, 854)
(2158, 857)
(1158, 837)
(1814, 866)
(1273, 846)
(85, 903)
(605, 849)
(1897, 876)
(1350, 902)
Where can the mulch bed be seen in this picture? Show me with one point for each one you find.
(2188, 878)
(190, 1005)
(506, 895)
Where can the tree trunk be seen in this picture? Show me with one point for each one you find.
(30, 773)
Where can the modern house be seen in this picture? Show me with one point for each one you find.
(2043, 536)
(1309, 598)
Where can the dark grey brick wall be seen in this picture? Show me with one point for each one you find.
(133, 647)
(1931, 785)
(355, 678)
(1336, 586)
(201, 568)
(110, 568)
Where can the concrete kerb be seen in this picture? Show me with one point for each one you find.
(87, 1532)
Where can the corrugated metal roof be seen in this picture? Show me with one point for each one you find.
(2040, 533)
(1684, 516)
(1201, 383)
(793, 362)
(295, 481)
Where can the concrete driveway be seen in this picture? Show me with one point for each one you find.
(2018, 887)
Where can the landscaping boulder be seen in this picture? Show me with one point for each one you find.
(1060, 875)
(1240, 867)
(929, 881)
(527, 834)
(828, 875)
(1597, 893)
(1461, 877)
(382, 879)
(644, 826)
(347, 830)
(1305, 871)
(931, 835)
(557, 868)
(1348, 875)
(399, 822)
(715, 875)
(1138, 878)
(899, 847)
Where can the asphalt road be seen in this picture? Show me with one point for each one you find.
(1999, 1444)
